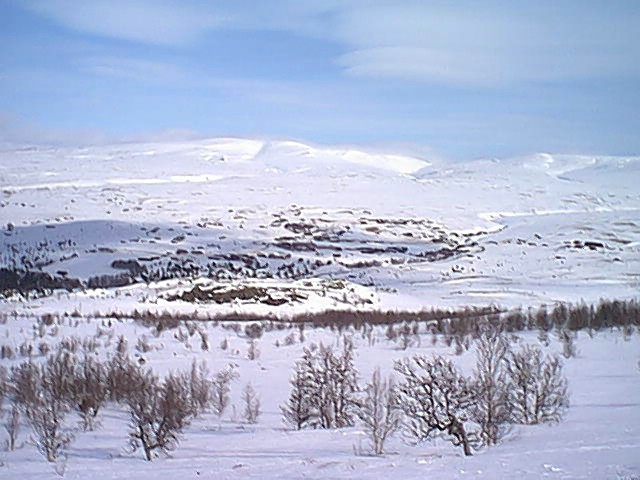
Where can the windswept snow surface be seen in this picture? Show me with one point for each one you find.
(279, 228)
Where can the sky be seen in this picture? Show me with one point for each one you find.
(460, 79)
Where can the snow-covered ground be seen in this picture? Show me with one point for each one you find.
(600, 437)
(520, 231)
(279, 228)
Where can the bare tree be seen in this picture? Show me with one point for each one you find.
(12, 426)
(222, 388)
(253, 352)
(567, 338)
(122, 346)
(158, 414)
(46, 409)
(379, 411)
(406, 336)
(299, 411)
(89, 391)
(204, 341)
(538, 390)
(121, 374)
(4, 385)
(436, 399)
(491, 409)
(333, 381)
(290, 339)
(459, 347)
(391, 333)
(200, 387)
(344, 386)
(251, 401)
(58, 375)
(254, 330)
(552, 398)
(25, 382)
(47, 423)
(324, 389)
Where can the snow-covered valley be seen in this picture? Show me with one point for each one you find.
(524, 231)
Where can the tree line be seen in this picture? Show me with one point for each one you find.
(605, 314)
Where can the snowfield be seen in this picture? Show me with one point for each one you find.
(600, 437)
(523, 231)
(276, 228)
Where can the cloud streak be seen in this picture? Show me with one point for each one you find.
(159, 22)
(483, 44)
(490, 43)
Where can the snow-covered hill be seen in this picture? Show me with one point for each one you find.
(229, 226)
(528, 230)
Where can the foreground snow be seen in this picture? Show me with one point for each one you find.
(600, 437)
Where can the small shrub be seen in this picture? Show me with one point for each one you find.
(222, 388)
(379, 411)
(253, 352)
(12, 427)
(251, 401)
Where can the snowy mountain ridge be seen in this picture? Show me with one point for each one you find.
(510, 231)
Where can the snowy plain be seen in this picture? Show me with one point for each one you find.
(346, 229)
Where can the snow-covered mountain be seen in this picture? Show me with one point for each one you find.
(414, 232)
(136, 247)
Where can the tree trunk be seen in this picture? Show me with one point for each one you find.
(465, 446)
(147, 451)
(457, 430)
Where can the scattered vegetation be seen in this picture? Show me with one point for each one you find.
(436, 399)
(324, 389)
(433, 398)
(606, 314)
(428, 398)
(251, 401)
(379, 411)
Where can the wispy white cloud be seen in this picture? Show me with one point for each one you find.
(425, 64)
(136, 69)
(490, 43)
(155, 22)
(465, 43)
(301, 93)
(179, 23)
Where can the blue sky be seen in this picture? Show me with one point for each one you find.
(459, 79)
